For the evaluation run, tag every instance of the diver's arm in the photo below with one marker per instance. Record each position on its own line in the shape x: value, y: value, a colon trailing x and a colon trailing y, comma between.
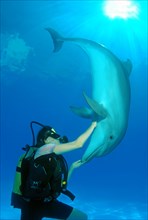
x: 78, y: 143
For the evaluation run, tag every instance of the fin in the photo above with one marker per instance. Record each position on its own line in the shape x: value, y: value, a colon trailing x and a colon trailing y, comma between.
x: 82, y: 111
x: 57, y: 39
x: 127, y: 66
x: 96, y: 107
x: 86, y: 113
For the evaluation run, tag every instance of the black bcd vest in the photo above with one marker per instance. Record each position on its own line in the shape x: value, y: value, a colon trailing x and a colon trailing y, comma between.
x: 44, y: 177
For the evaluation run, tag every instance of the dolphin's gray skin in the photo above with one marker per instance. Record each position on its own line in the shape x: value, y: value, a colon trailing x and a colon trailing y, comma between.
x: 110, y: 95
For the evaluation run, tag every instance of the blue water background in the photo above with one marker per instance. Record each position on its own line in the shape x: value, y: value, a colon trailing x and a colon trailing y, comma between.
x: 37, y: 84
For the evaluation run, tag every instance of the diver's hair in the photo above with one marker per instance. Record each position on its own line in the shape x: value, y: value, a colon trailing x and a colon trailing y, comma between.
x: 46, y: 132
x: 42, y: 135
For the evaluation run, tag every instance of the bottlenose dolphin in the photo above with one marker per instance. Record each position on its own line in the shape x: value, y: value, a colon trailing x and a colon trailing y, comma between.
x: 110, y: 100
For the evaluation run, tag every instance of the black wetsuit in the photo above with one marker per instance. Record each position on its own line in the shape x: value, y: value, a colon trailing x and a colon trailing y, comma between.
x: 38, y: 209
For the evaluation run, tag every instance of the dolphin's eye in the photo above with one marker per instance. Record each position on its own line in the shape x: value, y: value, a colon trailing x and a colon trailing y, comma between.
x: 111, y: 137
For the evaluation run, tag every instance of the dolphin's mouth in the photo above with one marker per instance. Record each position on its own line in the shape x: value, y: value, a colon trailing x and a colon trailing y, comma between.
x: 92, y: 155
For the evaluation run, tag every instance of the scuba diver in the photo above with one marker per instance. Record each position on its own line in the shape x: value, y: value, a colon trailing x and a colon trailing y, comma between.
x: 42, y: 175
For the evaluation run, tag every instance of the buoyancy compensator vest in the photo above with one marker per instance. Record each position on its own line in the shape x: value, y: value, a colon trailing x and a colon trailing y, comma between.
x: 43, y: 178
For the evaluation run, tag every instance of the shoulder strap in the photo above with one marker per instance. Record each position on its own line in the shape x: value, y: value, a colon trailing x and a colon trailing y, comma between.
x: 30, y: 151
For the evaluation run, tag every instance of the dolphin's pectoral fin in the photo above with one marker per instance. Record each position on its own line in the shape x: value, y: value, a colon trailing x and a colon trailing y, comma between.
x: 85, y: 113
x: 96, y: 112
x: 96, y: 107
x: 57, y: 39
x: 82, y: 111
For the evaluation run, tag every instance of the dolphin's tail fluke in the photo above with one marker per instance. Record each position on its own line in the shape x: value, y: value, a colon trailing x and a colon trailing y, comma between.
x: 57, y: 39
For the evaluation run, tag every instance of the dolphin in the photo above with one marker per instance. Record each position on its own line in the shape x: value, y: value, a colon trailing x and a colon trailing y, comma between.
x: 110, y: 102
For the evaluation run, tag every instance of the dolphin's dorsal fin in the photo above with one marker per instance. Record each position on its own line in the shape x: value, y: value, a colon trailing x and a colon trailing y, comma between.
x: 96, y: 107
x: 58, y: 40
x: 127, y: 66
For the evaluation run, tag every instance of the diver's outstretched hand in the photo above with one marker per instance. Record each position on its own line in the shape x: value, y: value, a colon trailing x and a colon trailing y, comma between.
x: 94, y: 123
x: 77, y: 164
x: 74, y: 165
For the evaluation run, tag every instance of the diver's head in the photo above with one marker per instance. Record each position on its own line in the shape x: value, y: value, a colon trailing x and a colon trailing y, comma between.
x: 48, y: 135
